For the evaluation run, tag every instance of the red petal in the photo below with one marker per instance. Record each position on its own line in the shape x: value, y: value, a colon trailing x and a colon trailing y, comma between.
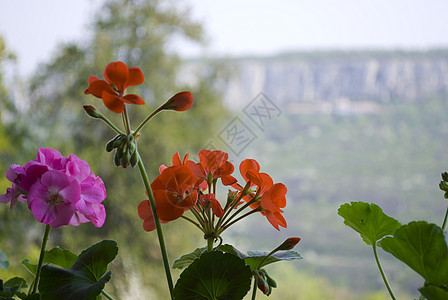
x: 133, y: 99
x: 176, y: 159
x: 117, y: 73
x: 135, y: 77
x: 144, y: 210
x: 92, y: 79
x: 228, y: 180
x: 112, y: 102
x: 165, y: 209
x: 97, y: 87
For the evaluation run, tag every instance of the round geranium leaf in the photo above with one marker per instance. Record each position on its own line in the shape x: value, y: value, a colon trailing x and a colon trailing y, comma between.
x: 215, y: 275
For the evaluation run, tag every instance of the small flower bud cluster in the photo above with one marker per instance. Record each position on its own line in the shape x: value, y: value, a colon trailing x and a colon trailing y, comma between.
x: 443, y: 185
x: 126, y: 150
x: 265, y: 282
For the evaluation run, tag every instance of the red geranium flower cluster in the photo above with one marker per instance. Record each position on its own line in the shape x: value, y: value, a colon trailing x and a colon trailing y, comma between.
x: 190, y: 186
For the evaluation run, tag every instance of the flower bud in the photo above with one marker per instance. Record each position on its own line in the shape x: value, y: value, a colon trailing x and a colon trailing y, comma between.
x: 92, y: 112
x: 111, y: 144
x: 445, y: 176
x: 134, y: 159
x: 443, y: 185
x: 180, y: 102
x: 126, y: 150
x: 288, y: 244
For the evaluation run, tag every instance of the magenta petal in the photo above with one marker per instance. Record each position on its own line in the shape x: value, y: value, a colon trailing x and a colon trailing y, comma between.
x: 55, y: 180
x: 92, y: 193
x: 77, y: 168
x: 33, y: 173
x: 71, y: 193
x: 78, y: 218
x: 14, y: 173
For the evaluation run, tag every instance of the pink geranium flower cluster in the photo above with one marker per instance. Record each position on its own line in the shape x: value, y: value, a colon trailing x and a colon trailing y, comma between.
x: 58, y: 190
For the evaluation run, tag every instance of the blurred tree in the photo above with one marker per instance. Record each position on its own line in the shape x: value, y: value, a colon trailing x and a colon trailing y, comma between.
x: 137, y: 33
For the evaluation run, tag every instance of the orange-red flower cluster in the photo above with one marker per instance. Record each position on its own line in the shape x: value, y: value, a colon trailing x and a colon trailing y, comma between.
x: 180, y: 188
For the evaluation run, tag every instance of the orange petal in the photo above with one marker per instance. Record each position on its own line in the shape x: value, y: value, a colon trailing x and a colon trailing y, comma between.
x: 274, y: 198
x: 226, y: 168
x: 133, y: 99
x: 112, y: 102
x: 117, y: 73
x: 135, y: 77
x: 248, y: 164
x: 276, y: 219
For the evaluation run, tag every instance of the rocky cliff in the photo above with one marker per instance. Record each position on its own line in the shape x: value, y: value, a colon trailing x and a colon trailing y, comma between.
x: 324, y: 77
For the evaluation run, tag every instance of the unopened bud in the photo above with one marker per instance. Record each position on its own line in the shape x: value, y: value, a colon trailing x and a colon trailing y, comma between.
x: 445, y: 176
x: 92, y: 112
x: 180, y: 102
x: 288, y: 244
x: 443, y: 185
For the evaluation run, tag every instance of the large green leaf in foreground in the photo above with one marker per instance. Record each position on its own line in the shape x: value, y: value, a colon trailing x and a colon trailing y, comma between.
x: 369, y: 220
x: 422, y: 247
x: 214, y: 275
x: 86, y: 277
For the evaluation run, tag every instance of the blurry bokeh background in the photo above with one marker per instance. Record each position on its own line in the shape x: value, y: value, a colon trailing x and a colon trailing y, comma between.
x: 340, y: 100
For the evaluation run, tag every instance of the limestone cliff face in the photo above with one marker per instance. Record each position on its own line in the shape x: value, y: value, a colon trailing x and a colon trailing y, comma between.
x: 325, y: 77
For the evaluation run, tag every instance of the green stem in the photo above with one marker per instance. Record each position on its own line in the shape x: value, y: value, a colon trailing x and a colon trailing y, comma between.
x: 445, y: 221
x: 210, y: 244
x: 112, y: 125
x: 142, y: 124
x: 145, y: 179
x: 41, y: 258
x: 254, y: 290
x: 126, y: 123
x: 105, y: 294
x: 228, y: 224
x: 382, y: 272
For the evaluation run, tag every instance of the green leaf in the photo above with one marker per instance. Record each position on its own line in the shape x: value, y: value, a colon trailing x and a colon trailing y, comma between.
x: 215, y: 275
x: 4, y: 263
x: 59, y: 257
x: 432, y: 292
x: 31, y: 267
x: 15, y: 284
x: 423, y: 248
x: 369, y: 220
x: 86, y: 277
x: 185, y: 260
x: 255, y: 257
x: 232, y: 250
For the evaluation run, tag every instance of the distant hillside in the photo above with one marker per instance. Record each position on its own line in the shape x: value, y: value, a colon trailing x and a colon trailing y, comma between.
x: 382, y: 76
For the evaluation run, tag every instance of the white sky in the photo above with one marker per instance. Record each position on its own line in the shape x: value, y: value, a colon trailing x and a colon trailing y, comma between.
x: 33, y: 28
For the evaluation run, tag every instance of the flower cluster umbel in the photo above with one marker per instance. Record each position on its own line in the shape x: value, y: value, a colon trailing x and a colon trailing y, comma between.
x: 192, y: 186
x: 58, y: 190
